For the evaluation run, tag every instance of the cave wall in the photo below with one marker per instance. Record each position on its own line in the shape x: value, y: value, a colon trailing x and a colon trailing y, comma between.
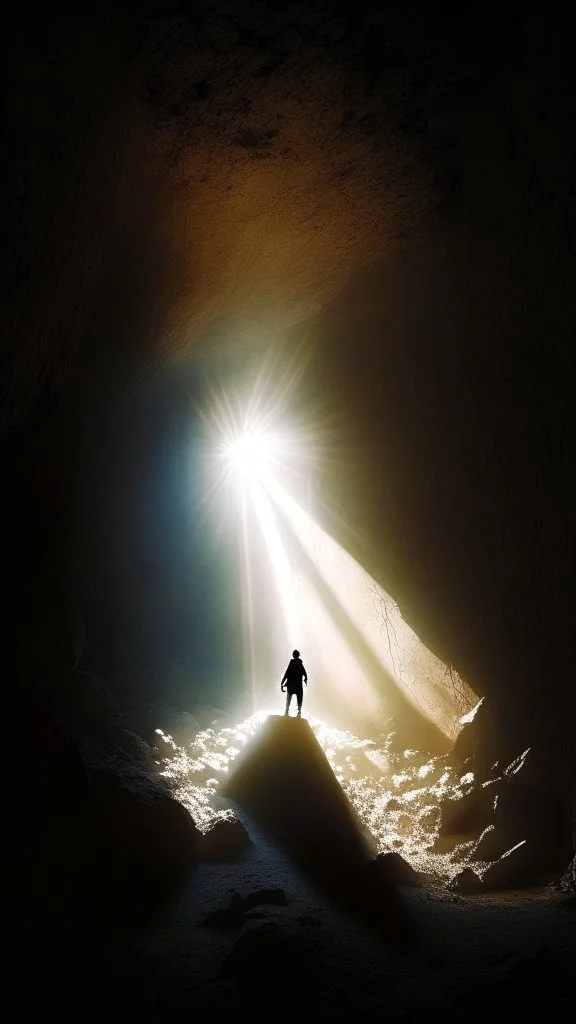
x: 83, y: 294
x: 453, y: 365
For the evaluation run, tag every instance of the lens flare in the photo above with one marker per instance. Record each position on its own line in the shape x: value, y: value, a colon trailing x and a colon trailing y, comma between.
x: 251, y: 454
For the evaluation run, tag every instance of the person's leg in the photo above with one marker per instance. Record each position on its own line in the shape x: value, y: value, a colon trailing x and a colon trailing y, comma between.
x: 299, y: 700
x: 288, y: 699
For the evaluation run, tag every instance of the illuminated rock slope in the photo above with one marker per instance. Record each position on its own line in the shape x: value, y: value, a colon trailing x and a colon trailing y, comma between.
x: 285, y: 783
x: 284, y: 780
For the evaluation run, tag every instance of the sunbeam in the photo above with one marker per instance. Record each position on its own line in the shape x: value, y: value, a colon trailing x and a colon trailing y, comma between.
x: 373, y: 622
x: 366, y: 664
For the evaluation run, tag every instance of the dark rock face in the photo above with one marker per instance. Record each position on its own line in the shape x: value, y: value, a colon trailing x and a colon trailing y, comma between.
x: 154, y: 836
x: 506, y: 807
x: 523, y: 813
x: 105, y: 842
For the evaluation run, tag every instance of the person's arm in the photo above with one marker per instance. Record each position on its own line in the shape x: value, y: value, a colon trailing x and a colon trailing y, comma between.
x: 305, y: 676
x: 282, y: 687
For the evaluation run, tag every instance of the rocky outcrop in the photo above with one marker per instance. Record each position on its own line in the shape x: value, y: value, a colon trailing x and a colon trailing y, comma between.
x: 148, y: 836
x: 284, y: 781
x: 104, y: 837
x: 519, y: 831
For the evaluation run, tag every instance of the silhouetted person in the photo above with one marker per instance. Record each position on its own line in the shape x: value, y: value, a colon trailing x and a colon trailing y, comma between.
x: 292, y: 681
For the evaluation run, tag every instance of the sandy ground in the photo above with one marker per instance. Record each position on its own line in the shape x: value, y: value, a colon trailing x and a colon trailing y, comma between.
x: 473, y: 956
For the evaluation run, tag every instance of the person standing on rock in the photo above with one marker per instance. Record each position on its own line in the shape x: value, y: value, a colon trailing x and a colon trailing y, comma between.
x: 292, y: 681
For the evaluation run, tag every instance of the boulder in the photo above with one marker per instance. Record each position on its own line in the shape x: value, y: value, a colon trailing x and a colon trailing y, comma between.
x: 146, y: 841
x: 467, y: 881
x: 103, y: 839
x: 394, y: 868
x: 226, y: 839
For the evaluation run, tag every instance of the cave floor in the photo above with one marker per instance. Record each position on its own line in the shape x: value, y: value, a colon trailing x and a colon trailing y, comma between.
x: 473, y: 955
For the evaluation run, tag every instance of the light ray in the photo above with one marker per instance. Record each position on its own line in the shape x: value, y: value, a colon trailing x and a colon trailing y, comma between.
x: 280, y: 564
x: 362, y: 651
x: 376, y: 617
x: 247, y: 608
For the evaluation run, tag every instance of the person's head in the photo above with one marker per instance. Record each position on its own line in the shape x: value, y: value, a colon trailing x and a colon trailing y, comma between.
x: 295, y: 654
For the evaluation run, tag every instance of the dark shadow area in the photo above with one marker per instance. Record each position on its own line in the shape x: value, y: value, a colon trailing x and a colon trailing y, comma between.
x: 100, y: 848
x: 538, y: 985
x: 285, y: 782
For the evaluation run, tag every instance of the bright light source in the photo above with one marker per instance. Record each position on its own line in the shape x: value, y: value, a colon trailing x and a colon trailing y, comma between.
x: 249, y: 454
